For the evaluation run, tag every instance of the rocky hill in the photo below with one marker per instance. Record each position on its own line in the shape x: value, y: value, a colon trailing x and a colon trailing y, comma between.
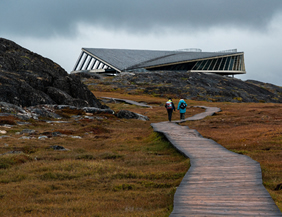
x: 196, y: 86
x: 28, y: 79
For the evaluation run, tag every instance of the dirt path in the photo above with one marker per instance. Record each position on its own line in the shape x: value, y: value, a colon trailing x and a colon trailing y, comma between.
x: 219, y: 182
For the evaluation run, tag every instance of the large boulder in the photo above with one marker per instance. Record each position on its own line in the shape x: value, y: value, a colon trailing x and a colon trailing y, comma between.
x: 28, y: 79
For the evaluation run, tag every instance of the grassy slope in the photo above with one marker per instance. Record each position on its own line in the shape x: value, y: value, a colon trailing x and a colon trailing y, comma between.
x: 121, y: 167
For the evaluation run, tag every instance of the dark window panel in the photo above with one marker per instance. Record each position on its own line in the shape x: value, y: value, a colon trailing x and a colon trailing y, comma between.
x: 227, y: 63
x: 222, y: 64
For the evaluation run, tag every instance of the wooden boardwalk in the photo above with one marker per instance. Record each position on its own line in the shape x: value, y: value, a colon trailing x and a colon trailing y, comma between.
x: 131, y: 102
x: 219, y: 182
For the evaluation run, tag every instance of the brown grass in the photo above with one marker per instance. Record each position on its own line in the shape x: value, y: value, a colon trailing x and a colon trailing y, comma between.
x: 10, y: 120
x: 121, y: 167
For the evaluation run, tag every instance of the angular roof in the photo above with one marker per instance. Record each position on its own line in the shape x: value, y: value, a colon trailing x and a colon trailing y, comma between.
x: 101, y: 60
x: 125, y: 59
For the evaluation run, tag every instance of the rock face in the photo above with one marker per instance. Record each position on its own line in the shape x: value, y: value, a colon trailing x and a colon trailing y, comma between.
x: 197, y: 86
x: 28, y: 79
x: 131, y: 115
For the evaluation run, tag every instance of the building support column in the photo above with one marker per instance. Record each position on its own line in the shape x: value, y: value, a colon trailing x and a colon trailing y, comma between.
x: 83, y: 62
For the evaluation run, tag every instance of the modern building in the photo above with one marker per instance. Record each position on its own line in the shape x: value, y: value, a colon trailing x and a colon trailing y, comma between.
x: 229, y: 62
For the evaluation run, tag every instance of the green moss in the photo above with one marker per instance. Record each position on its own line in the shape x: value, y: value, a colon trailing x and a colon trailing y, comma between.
x: 239, y: 99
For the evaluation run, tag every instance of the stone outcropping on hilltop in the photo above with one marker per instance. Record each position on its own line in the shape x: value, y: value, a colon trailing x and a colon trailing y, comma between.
x: 196, y: 86
x: 28, y: 79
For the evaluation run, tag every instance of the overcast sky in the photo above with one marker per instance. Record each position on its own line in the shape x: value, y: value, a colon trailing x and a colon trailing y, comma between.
x: 58, y: 29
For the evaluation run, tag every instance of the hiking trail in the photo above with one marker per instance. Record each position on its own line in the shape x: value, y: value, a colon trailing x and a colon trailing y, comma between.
x: 219, y: 182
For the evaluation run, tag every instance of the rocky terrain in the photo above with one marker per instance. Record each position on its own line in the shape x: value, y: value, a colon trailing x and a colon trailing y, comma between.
x: 191, y: 85
x: 28, y: 79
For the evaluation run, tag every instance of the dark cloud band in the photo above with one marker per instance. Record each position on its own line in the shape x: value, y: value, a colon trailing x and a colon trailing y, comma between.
x: 53, y: 17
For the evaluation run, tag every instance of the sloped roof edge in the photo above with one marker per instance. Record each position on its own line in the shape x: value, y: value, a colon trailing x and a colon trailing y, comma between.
x: 125, y: 59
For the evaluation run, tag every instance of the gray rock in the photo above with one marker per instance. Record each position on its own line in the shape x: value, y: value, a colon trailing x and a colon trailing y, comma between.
x: 10, y: 108
x: 27, y: 131
x: 131, y: 115
x: 43, y: 111
x: 198, y: 86
x: 75, y: 137
x: 25, y: 137
x: 142, y: 117
x: 58, y: 148
x: 65, y: 107
x: 7, y: 125
x: 89, y: 117
x: 42, y: 137
x: 55, y: 134
x: 5, y: 114
x: 12, y: 152
x: 23, y: 123
x: 97, y: 110
x: 28, y: 79
x: 58, y: 122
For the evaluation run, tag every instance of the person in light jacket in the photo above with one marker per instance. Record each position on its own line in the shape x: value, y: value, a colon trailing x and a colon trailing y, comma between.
x: 169, y: 107
x: 182, y: 108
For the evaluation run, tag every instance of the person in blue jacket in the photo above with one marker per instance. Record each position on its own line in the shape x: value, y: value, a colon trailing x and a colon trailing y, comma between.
x: 182, y: 108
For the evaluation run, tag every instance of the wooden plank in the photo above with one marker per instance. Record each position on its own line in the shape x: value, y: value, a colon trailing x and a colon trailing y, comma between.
x: 219, y: 182
x: 223, y: 212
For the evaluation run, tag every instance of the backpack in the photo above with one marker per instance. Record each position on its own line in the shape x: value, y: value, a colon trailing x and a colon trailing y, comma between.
x: 182, y: 105
x: 168, y: 105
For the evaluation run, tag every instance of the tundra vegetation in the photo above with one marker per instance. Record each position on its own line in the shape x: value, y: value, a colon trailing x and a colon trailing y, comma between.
x: 120, y: 167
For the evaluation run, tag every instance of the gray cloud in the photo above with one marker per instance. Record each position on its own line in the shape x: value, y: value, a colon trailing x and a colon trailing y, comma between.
x: 49, y: 18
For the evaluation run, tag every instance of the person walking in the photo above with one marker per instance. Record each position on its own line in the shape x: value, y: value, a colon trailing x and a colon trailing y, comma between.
x: 169, y: 107
x: 182, y: 108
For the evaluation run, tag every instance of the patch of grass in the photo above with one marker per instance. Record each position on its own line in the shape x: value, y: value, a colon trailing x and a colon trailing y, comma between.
x: 9, y: 160
x: 109, y: 155
x: 244, y: 152
x: 158, y: 144
x: 57, y: 176
x: 239, y: 99
x: 124, y: 187
x: 85, y: 157
x: 13, y: 178
x: 150, y: 184
x: 10, y: 120
x: 68, y: 112
x: 96, y: 129
x: 124, y: 168
x: 29, y: 149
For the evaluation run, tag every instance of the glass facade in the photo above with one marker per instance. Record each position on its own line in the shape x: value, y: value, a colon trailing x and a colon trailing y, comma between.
x: 220, y: 65
x: 230, y: 63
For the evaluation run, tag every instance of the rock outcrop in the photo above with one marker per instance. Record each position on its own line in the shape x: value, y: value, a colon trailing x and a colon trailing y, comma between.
x: 131, y: 115
x: 196, y: 86
x: 28, y: 79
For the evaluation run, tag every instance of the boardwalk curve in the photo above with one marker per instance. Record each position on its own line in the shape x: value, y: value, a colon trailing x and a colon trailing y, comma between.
x: 131, y: 102
x: 219, y: 182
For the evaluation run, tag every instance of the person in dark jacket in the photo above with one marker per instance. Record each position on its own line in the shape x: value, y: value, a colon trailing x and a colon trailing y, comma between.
x: 169, y: 107
x: 182, y: 108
